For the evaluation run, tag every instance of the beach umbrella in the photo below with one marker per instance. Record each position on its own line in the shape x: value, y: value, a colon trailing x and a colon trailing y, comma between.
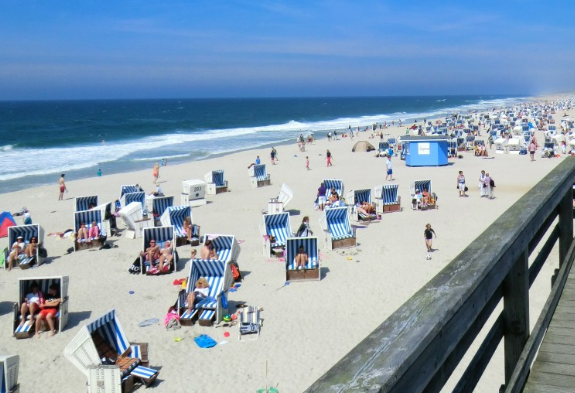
x: 6, y: 221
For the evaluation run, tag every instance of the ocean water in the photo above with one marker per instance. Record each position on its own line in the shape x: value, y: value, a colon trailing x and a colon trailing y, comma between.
x: 41, y: 139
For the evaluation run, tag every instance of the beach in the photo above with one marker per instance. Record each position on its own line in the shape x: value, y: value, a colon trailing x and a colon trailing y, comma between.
x: 307, y: 326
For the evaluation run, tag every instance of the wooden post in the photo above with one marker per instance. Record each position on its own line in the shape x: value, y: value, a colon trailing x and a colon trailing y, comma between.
x: 565, y: 225
x: 516, y: 312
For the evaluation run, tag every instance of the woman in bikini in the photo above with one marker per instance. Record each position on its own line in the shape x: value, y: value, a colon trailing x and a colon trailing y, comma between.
x: 156, y: 172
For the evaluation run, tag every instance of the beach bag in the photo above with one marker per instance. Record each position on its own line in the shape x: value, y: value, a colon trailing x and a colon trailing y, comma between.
x: 172, y: 321
x: 43, y: 252
x: 237, y: 275
x: 136, y: 266
x: 492, y: 183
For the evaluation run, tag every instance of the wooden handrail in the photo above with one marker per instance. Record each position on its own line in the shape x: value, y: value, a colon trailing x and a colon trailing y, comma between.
x: 417, y: 348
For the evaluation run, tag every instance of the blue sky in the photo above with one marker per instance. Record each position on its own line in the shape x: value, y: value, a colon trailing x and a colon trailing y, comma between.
x: 176, y: 49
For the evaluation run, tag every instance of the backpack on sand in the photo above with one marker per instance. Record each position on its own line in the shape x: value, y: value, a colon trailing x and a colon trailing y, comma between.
x: 236, y: 272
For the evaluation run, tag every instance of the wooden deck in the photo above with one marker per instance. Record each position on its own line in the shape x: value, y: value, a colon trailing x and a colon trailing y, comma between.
x: 554, y: 369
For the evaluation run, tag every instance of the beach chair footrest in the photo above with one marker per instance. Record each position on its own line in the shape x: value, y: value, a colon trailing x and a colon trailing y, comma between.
x: 392, y: 208
x: 343, y: 243
x: 145, y: 374
x: 302, y: 275
x: 206, y: 318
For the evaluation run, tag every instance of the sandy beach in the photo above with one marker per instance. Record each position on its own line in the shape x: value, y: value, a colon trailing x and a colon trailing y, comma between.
x: 307, y: 326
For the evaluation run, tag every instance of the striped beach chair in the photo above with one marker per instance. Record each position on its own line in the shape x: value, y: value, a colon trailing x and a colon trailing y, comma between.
x: 84, y: 203
x: 259, y: 176
x: 175, y: 216
x: 422, y: 185
x: 250, y: 324
x: 161, y: 235
x: 355, y: 198
x: 9, y: 368
x: 104, y: 338
x: 312, y: 270
x: 219, y: 276
x: 26, y: 330
x: 387, y: 199
x: 338, y: 232
x: 215, y: 182
x: 278, y: 226
x: 27, y: 232
x: 333, y: 183
x: 130, y: 197
x: 160, y: 204
x: 87, y: 217
x: 226, y: 246
x: 128, y: 190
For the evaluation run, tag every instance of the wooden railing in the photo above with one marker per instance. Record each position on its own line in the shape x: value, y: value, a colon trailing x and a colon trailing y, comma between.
x: 419, y: 346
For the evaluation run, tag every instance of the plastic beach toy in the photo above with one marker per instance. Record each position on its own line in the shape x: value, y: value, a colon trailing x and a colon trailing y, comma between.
x: 227, y: 318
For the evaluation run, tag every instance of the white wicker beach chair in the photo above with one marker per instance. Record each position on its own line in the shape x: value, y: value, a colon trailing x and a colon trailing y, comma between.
x: 9, y: 367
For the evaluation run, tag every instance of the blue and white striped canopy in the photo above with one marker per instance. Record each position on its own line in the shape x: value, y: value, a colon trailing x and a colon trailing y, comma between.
x: 160, y: 204
x: 260, y: 172
x: 223, y: 245
x: 83, y: 203
x: 278, y: 225
x: 422, y: 184
x: 26, y: 231
x: 128, y: 190
x: 361, y: 196
x: 338, y: 225
x: 109, y: 328
x: 390, y: 194
x: 135, y: 197
x: 218, y: 178
x: 333, y: 183
x: 176, y: 215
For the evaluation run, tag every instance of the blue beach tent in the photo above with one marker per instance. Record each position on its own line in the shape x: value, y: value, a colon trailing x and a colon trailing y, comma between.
x: 425, y: 150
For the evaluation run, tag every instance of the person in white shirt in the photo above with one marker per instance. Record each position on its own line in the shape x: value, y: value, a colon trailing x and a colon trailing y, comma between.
x: 17, y: 252
x: 389, y: 169
x: 200, y: 292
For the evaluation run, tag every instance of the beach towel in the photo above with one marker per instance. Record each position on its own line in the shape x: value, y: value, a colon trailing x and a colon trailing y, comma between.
x: 205, y: 341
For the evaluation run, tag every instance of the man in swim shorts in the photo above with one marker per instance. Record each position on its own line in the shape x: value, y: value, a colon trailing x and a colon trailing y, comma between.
x: 49, y: 310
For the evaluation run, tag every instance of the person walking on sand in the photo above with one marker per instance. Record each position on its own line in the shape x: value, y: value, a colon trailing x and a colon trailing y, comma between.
x: 307, y: 163
x: 328, y: 157
x: 62, y: 185
x: 273, y: 155
x: 532, y: 148
x: 428, y: 234
x: 461, y: 184
x: 389, y: 176
x: 482, y: 185
x: 156, y: 172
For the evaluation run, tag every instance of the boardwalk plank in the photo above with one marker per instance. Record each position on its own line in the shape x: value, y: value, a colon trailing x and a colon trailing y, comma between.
x: 545, y: 356
x: 543, y: 378
x: 554, y: 368
x: 538, y: 388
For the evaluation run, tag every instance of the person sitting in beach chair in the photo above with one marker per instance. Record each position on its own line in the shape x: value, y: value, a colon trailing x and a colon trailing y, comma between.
x: 31, y: 248
x: 18, y: 252
x: 82, y: 233
x: 416, y: 200
x: 366, y: 209
x: 31, y: 303
x: 201, y: 292
x: 188, y: 227
x: 151, y: 254
x: 49, y: 310
x: 304, y: 229
x: 166, y: 257
x: 208, y: 251
x: 425, y: 198
x: 301, y: 258
x: 94, y: 231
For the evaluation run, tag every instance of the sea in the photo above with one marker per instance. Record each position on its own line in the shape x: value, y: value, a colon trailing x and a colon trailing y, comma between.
x: 39, y: 140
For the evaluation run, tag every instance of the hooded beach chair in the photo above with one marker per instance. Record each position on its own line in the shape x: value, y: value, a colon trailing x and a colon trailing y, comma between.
x: 387, y: 199
x: 311, y: 270
x: 219, y: 277
x: 158, y: 205
x: 88, y: 217
x: 275, y: 230
x: 133, y: 217
x: 85, y: 202
x: 278, y: 204
x: 27, y: 232
x: 422, y: 185
x: 355, y: 198
x: 215, y: 183
x: 61, y: 318
x: 128, y: 189
x: 337, y: 184
x: 176, y: 215
x: 161, y: 235
x: 9, y: 367
x: 130, y: 197
x: 338, y: 232
x: 102, y: 352
x: 226, y: 246
x: 250, y: 323
x: 259, y: 176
